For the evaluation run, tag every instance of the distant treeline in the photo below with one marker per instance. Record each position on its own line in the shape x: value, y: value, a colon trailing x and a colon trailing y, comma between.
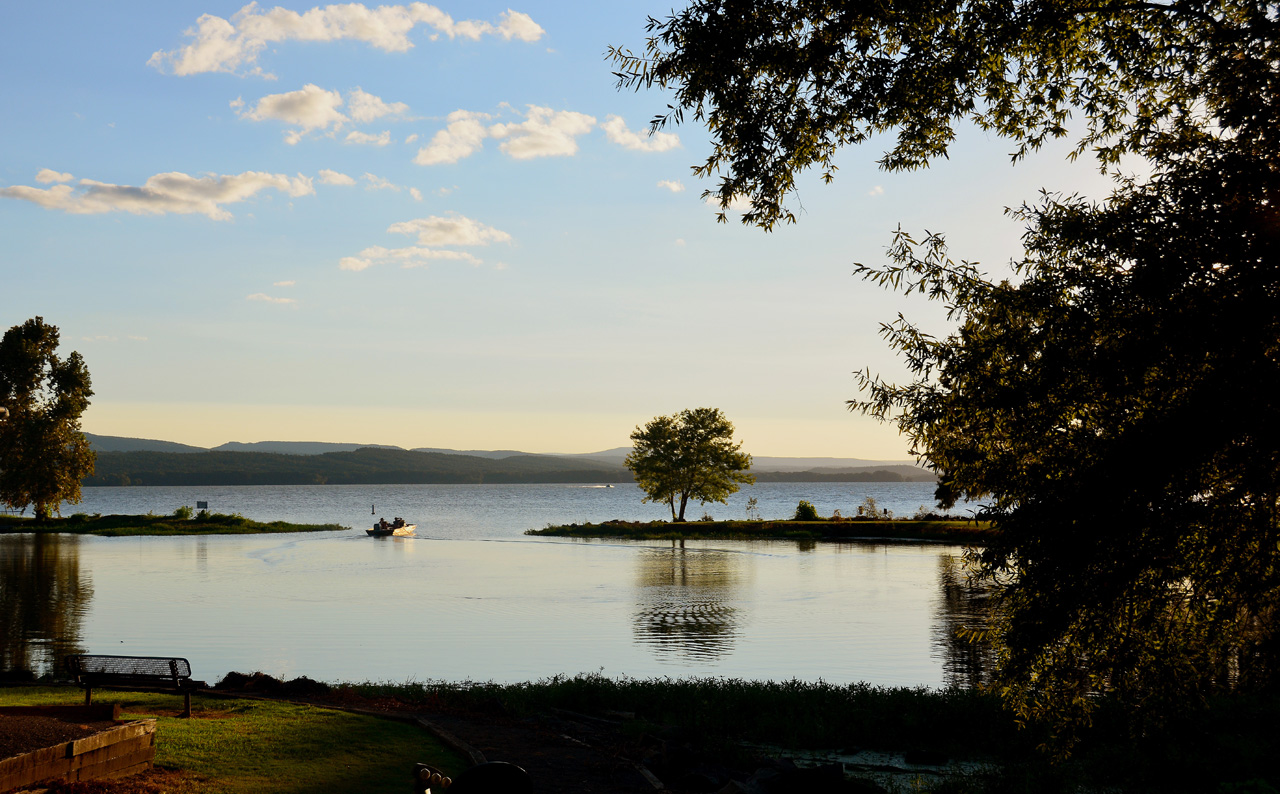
x: 367, y: 466
x: 879, y: 475
x: 375, y: 466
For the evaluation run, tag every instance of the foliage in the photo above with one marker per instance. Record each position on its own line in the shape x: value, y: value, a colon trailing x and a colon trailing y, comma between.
x: 1144, y: 327
x: 805, y: 511
x: 183, y: 513
x: 688, y: 456
x: 1140, y: 328
x: 43, y: 454
x: 782, y: 85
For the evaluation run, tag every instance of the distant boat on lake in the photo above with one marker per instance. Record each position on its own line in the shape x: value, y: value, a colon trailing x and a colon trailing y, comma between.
x: 397, y: 527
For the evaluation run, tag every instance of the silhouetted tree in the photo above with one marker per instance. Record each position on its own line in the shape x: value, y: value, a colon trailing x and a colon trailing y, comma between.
x: 688, y: 456
x: 43, y: 454
x: 1117, y: 404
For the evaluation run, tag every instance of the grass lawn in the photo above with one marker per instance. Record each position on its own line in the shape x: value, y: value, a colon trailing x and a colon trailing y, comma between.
x: 235, y: 746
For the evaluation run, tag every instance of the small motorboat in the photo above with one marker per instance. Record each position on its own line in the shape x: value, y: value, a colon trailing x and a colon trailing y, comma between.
x: 397, y: 527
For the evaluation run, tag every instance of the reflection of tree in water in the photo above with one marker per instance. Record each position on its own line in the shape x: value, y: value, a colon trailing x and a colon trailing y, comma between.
x: 683, y: 604
x: 964, y: 605
x: 43, y: 601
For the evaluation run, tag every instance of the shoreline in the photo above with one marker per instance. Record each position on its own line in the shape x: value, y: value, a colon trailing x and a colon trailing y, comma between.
x: 945, y: 530
x: 161, y: 526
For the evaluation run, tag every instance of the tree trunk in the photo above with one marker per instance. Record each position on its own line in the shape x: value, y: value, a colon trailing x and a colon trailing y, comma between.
x: 684, y: 500
x: 671, y: 502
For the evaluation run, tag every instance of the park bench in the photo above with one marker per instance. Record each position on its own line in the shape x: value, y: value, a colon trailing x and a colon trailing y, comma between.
x: 151, y: 673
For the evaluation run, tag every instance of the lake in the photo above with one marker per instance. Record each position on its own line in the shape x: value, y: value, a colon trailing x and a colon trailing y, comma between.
x: 472, y: 598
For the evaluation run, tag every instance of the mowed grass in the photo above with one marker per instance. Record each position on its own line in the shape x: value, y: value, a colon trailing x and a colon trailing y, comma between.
x: 242, y: 746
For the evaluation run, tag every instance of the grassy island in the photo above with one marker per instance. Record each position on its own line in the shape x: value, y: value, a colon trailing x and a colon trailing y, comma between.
x: 950, y: 530
x: 182, y: 522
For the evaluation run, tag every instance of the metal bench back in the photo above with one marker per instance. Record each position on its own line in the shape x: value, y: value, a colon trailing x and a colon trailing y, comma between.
x: 129, y: 666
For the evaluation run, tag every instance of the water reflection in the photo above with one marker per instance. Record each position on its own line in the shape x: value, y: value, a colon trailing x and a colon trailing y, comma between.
x: 964, y: 604
x: 684, y: 601
x: 43, y: 601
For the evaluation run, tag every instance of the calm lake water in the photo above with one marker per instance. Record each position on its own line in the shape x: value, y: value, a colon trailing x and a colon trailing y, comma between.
x: 472, y: 598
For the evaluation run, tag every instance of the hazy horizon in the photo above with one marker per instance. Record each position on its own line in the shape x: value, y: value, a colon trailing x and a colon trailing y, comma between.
x: 441, y: 227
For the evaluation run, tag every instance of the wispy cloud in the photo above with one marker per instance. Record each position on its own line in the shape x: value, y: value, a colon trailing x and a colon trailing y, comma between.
x: 675, y: 186
x: 328, y: 177
x: 173, y: 192
x: 381, y: 139
x: 314, y: 108
x: 543, y: 133
x: 417, y: 194
x: 47, y: 175
x: 221, y: 45
x: 876, y: 191
x: 262, y: 297
x: 413, y: 256
x: 365, y: 107
x: 616, y: 128
x: 375, y: 182
x: 283, y: 283
x: 464, y: 134
x: 435, y: 235
x: 452, y: 230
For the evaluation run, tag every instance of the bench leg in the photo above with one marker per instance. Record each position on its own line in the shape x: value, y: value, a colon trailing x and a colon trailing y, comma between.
x: 186, y: 704
x: 88, y: 696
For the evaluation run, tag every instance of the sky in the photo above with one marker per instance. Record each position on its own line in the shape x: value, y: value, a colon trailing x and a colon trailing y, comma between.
x: 440, y: 225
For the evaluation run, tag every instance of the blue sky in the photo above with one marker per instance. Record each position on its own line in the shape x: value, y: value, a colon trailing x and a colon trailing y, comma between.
x: 437, y: 225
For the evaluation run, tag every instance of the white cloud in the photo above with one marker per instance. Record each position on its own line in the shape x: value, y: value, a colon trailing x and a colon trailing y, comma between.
x: 137, y: 338
x: 46, y: 175
x: 411, y: 138
x: 453, y: 230
x: 283, y: 283
x: 381, y: 139
x: 379, y: 183
x: 414, y: 256
x: 264, y: 298
x: 236, y: 103
x: 173, y: 192
x: 310, y: 108
x: 738, y: 203
x: 365, y: 107
x: 680, y: 242
x: 544, y: 133
x: 220, y: 45
x: 100, y: 338
x: 616, y: 128
x: 433, y: 233
x: 876, y: 191
x: 328, y: 177
x: 675, y: 186
x: 417, y: 194
x: 462, y: 137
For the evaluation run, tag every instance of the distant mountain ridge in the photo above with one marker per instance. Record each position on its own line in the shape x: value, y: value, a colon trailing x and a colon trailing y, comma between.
x: 125, y: 460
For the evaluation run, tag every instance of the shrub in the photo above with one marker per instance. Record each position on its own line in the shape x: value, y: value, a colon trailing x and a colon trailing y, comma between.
x: 183, y: 513
x: 805, y: 511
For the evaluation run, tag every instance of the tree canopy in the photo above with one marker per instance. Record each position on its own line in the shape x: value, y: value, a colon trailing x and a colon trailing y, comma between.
x: 1142, y: 327
x: 782, y: 85
x: 43, y: 454
x: 688, y: 456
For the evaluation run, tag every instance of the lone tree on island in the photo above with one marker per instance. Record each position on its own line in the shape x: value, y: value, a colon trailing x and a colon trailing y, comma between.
x: 688, y: 456
x: 43, y: 454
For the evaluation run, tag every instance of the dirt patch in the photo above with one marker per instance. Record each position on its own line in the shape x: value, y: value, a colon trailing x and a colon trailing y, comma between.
x: 20, y: 735
x: 153, y: 781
